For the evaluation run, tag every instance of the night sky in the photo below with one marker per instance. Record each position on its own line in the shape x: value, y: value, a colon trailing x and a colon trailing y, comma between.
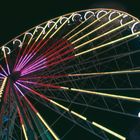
x: 17, y: 17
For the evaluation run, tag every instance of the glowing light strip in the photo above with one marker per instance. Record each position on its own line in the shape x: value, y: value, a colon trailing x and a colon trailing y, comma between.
x: 22, y: 124
x: 24, y: 131
x: 2, y: 75
x: 25, y: 58
x: 31, y: 37
x: 2, y: 86
x: 84, y: 74
x: 107, y: 44
x: 105, y: 73
x: 3, y: 70
x: 74, y: 113
x: 47, y: 126
x: 109, y: 32
x: 37, y: 113
x: 59, y: 105
x: 77, y: 26
x: 94, y: 123
x: 84, y: 91
x: 6, y: 61
x: 96, y: 29
x: 61, y: 26
x: 78, y: 115
x: 34, y: 64
x: 33, y: 70
x: 109, y: 131
x: 88, y: 25
x: 29, y: 58
x: 51, y: 28
x: 105, y: 94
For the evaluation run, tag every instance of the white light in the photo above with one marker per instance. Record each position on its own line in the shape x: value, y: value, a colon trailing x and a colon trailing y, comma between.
x: 139, y: 114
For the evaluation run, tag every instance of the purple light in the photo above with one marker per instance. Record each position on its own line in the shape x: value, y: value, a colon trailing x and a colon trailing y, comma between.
x: 21, y: 64
x: 23, y: 74
x: 35, y: 63
x: 2, y: 75
x: 26, y: 60
x: 18, y: 89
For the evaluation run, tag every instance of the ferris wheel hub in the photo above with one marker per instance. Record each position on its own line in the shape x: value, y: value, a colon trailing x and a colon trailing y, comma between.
x: 15, y: 76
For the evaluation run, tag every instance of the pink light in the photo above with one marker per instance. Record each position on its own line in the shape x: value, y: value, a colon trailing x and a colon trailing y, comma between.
x: 33, y: 91
x: 2, y: 75
x: 40, y: 84
x: 25, y: 98
x: 33, y: 65
x: 21, y: 64
x: 4, y: 70
x: 28, y: 72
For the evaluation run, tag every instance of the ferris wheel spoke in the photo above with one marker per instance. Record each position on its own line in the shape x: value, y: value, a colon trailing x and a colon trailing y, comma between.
x: 96, y: 29
x: 74, y: 113
x: 39, y: 84
x: 52, y: 57
x: 106, y: 33
x: 60, y: 61
x: 22, y: 124
x: 96, y: 107
x: 106, y: 73
x: 107, y: 44
x: 37, y: 65
x: 28, y: 57
x: 85, y: 91
x: 37, y: 113
x: 103, y: 94
x: 3, y: 87
x: 28, y: 127
x: 34, y: 63
x: 2, y: 75
x: 96, y: 63
x: 6, y: 61
x: 26, y: 51
x: 20, y: 54
x: 85, y: 119
x: 77, y: 27
x: 36, y: 49
x: 89, y: 25
x: 71, y: 118
x: 48, y: 32
x: 31, y: 52
x: 3, y: 70
x: 83, y: 75
x: 87, y: 74
x: 61, y: 26
x: 55, y: 46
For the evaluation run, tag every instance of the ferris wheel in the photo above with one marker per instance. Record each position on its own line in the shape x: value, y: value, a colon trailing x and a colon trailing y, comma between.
x: 75, y: 75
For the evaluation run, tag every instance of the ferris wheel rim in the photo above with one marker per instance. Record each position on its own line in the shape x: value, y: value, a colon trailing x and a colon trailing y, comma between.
x: 51, y: 19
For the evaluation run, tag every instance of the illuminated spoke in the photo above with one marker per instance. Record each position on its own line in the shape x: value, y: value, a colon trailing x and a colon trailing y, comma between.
x: 106, y: 44
x: 6, y: 61
x: 38, y: 114
x: 84, y: 91
x: 22, y: 125
x: 89, y: 25
x: 96, y: 30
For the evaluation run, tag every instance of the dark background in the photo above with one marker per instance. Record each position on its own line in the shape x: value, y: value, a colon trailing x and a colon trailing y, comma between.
x: 19, y: 16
